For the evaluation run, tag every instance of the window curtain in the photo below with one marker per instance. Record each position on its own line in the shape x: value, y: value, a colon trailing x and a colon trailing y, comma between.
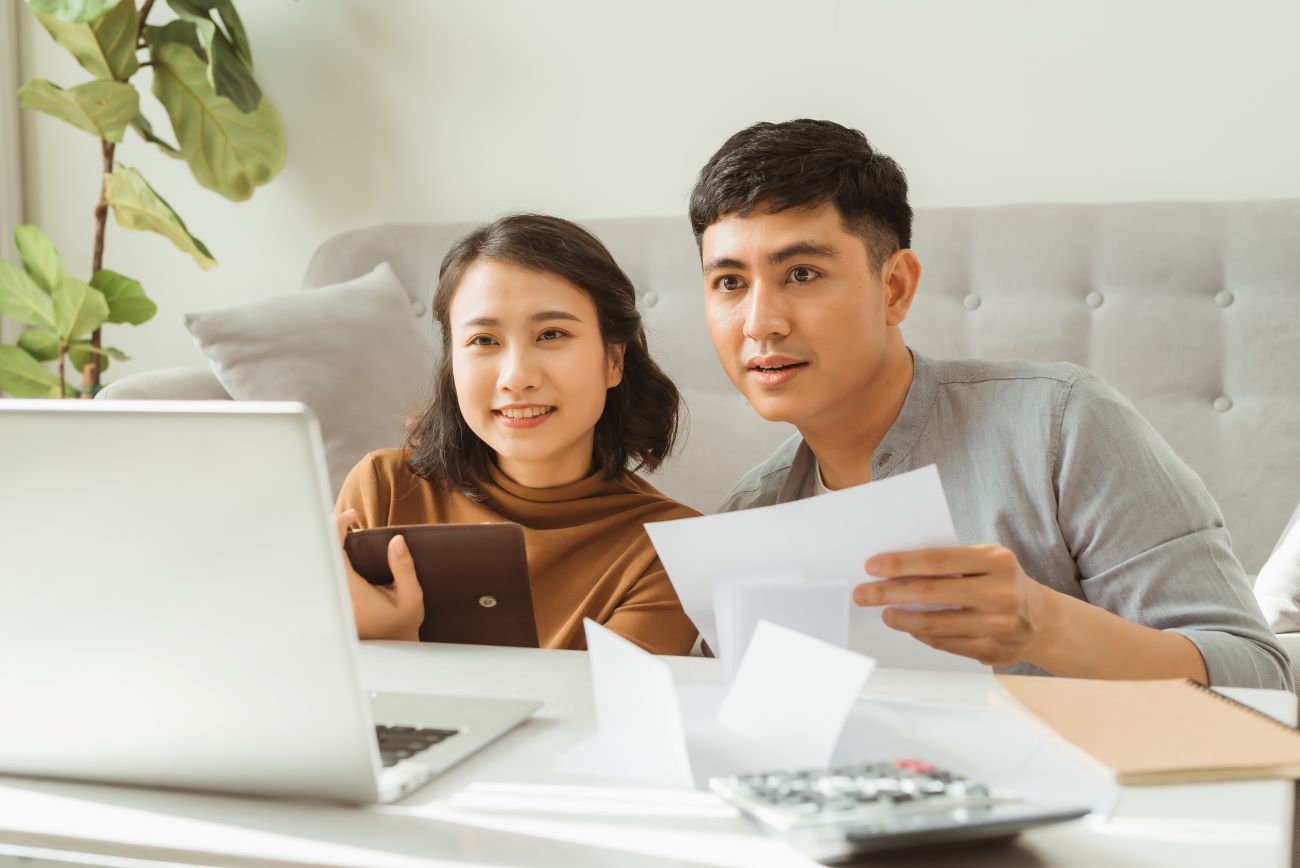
x: 11, y: 170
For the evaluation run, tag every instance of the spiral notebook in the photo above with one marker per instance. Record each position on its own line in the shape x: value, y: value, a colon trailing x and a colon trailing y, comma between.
x: 1157, y: 732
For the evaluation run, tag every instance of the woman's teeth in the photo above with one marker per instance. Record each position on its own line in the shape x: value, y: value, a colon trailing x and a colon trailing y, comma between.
x: 525, y: 413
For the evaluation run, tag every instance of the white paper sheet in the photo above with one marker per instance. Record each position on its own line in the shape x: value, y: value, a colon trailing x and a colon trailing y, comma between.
x: 818, y: 609
x: 824, y: 538
x: 793, y: 694
x: 787, y: 707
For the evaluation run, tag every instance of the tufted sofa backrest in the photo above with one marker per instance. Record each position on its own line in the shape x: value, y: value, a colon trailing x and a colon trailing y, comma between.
x: 1190, y: 310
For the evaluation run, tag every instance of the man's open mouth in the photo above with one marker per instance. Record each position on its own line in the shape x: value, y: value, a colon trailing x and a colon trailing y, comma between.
x: 766, y: 369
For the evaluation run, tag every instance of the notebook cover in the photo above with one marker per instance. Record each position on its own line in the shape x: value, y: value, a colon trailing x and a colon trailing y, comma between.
x: 1159, y: 732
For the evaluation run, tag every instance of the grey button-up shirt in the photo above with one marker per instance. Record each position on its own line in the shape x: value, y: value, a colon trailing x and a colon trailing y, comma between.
x: 1057, y: 466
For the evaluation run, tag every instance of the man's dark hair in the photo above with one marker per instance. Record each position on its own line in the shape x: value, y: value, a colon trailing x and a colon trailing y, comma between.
x: 640, y: 420
x: 804, y: 164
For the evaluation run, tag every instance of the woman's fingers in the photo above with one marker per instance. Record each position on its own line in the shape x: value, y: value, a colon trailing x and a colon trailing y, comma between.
x: 343, y: 521
x: 406, y: 583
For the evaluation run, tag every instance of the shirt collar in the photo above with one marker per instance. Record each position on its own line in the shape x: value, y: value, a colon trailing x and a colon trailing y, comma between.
x: 895, y: 447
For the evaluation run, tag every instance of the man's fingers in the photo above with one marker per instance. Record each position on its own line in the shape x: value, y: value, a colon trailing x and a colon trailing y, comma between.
x: 946, y: 624
x: 402, y: 566
x: 921, y: 591
x: 957, y: 560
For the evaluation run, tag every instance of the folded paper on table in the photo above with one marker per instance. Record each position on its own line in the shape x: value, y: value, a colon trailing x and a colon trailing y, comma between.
x: 817, y: 609
x: 816, y: 540
x: 786, y: 707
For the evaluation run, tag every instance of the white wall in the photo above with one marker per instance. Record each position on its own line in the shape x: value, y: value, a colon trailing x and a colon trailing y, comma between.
x: 432, y: 110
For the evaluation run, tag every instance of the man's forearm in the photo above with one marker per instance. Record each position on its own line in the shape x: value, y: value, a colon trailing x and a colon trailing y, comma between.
x: 1086, y: 641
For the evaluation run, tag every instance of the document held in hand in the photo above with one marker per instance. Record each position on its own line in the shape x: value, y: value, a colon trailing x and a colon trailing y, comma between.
x: 1157, y: 732
x: 813, y: 542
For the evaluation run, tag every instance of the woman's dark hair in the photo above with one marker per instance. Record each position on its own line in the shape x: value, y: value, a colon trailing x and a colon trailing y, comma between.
x: 807, y: 163
x: 640, y: 422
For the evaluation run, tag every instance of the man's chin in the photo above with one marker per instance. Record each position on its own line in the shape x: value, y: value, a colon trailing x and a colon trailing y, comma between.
x: 775, y: 409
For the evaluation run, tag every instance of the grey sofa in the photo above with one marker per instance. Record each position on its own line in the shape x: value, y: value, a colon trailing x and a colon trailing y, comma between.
x: 1191, y: 310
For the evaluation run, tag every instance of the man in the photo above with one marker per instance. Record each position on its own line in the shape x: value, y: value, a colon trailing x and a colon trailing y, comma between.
x: 1102, y: 555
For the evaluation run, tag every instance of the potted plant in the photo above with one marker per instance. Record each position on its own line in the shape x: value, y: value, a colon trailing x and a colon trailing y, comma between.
x: 222, y: 126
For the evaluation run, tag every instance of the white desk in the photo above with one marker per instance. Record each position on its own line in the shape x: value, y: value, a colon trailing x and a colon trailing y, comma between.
x: 505, y: 806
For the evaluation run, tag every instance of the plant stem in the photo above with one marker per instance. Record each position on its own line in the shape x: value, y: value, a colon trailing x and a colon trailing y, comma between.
x: 63, y: 383
x: 91, y: 373
x: 144, y: 13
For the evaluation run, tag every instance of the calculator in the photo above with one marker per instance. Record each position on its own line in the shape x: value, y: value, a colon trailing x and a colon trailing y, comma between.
x: 834, y: 813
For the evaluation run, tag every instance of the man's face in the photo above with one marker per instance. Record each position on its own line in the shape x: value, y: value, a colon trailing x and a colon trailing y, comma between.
x: 801, y: 321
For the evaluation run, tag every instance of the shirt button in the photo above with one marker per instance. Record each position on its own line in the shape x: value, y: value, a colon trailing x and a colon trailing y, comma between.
x: 971, y: 301
x: 650, y: 299
x: 487, y: 602
x: 1224, y: 298
x: 1222, y: 404
x: 1093, y: 299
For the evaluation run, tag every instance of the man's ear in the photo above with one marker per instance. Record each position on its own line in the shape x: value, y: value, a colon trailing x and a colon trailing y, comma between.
x: 901, y: 275
x: 614, y: 375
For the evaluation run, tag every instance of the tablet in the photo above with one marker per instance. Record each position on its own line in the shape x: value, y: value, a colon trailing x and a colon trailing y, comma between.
x: 474, y: 576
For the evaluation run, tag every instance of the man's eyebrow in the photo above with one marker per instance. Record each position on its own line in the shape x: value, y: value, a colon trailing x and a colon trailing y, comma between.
x: 790, y: 251
x: 723, y: 262
x: 540, y: 316
x: 802, y: 248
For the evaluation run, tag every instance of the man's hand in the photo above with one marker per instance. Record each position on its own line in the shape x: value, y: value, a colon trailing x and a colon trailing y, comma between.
x: 1002, y: 615
x: 385, y: 612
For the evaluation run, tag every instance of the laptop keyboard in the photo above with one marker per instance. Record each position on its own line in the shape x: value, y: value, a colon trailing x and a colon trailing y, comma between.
x: 397, y: 743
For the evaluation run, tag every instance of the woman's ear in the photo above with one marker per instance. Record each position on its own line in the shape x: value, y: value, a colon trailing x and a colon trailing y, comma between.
x: 614, y: 374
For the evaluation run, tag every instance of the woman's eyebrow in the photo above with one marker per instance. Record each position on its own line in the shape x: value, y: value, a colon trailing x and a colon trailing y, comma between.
x: 541, y: 316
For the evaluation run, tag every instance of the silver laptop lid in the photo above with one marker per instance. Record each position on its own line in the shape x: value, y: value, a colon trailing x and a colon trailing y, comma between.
x: 173, y: 609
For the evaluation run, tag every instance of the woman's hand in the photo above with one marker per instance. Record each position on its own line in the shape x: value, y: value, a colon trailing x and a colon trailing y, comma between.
x: 385, y: 611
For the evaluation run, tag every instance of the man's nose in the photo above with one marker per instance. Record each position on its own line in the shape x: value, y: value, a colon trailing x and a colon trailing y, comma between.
x: 767, y: 315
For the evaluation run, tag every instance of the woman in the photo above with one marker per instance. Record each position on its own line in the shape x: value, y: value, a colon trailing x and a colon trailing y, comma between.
x: 545, y: 395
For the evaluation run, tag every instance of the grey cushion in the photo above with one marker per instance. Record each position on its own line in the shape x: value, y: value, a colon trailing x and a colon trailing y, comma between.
x: 167, y: 384
x: 353, y: 352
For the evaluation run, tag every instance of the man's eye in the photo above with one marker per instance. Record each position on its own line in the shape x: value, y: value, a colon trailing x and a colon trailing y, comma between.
x: 728, y: 283
x: 802, y: 274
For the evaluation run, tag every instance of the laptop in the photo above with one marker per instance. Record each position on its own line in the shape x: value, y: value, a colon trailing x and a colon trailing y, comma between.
x: 174, y: 611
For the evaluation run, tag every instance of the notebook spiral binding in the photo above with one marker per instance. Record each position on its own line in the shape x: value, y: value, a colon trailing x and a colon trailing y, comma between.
x: 1243, y: 706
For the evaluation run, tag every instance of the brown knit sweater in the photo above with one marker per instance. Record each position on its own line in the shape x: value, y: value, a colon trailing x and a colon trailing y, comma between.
x: 588, y: 552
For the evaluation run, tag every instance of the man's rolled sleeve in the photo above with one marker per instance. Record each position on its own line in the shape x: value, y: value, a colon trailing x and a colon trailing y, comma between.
x: 1150, y: 542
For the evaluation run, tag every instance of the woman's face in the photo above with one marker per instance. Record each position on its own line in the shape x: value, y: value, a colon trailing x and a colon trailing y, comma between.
x: 531, y: 369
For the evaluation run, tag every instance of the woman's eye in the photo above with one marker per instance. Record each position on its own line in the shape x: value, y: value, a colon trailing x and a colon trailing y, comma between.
x: 550, y: 335
x: 802, y: 274
x: 481, y: 341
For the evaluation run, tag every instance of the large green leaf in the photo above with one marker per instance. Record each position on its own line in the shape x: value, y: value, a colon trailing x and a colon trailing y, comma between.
x: 22, y: 300
x: 81, y: 354
x: 227, y: 71
x: 126, y: 299
x: 235, y: 29
x: 227, y: 150
x: 73, y: 10
x: 137, y: 206
x: 22, y: 376
x: 142, y: 126
x: 41, y: 344
x: 102, y: 108
x: 37, y: 250
x: 79, y: 309
x: 106, y: 47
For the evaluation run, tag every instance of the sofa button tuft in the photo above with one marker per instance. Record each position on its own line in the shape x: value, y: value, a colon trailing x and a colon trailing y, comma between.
x: 418, y: 308
x: 650, y: 299
x: 971, y: 301
x: 1224, y: 298
x: 1093, y: 299
x: 1222, y: 404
